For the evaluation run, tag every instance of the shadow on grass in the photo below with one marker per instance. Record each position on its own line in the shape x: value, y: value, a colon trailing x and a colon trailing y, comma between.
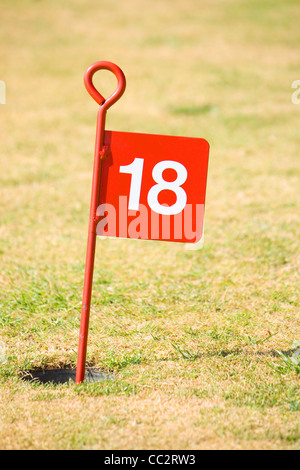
x: 186, y: 354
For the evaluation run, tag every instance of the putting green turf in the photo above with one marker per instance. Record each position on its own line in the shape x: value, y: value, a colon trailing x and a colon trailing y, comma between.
x: 203, y: 344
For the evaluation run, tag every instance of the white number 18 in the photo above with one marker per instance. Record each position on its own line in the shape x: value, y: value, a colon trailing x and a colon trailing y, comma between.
x: 136, y: 170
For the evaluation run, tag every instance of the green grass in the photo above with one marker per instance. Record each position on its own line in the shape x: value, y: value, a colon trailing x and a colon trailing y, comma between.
x: 203, y: 344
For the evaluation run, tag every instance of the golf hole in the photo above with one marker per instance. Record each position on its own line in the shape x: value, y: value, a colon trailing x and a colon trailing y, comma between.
x: 62, y: 376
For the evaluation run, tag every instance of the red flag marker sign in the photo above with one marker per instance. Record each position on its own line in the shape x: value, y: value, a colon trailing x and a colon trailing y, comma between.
x: 144, y: 186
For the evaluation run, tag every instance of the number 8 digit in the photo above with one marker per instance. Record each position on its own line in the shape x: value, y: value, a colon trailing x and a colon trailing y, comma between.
x: 174, y: 186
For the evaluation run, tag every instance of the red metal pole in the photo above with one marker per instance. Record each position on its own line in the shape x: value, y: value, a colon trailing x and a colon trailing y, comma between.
x: 95, y: 196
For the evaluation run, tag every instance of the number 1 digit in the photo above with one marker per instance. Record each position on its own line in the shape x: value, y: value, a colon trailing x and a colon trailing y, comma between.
x: 136, y: 170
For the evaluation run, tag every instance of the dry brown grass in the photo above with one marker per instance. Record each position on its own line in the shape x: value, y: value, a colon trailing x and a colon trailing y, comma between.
x: 190, y: 336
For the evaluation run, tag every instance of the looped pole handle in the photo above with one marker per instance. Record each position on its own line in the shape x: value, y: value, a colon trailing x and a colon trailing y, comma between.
x: 88, y: 81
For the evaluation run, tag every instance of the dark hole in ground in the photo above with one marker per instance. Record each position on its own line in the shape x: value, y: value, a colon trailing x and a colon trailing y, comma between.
x: 61, y: 376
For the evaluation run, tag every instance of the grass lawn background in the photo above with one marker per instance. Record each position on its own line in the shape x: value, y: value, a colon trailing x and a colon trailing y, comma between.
x: 203, y: 344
